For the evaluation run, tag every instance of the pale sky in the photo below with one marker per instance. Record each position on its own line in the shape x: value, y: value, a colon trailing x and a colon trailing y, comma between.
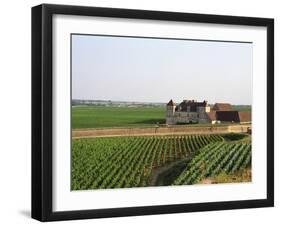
x: 157, y: 70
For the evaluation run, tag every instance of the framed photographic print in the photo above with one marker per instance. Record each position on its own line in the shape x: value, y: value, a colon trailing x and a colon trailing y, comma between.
x: 140, y: 112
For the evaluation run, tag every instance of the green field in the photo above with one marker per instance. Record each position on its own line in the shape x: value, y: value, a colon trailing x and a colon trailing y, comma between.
x: 125, y: 162
x: 108, y: 117
x: 97, y: 117
x: 242, y: 107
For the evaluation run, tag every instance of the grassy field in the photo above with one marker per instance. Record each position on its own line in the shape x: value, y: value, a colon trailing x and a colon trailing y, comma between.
x: 242, y: 107
x: 97, y: 117
x: 108, y: 117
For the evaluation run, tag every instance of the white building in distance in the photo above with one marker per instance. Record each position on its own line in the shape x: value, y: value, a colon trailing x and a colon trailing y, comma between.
x: 188, y: 111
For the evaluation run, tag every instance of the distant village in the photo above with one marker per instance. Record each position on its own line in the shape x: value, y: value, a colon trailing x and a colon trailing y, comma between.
x: 110, y: 103
x: 191, y: 111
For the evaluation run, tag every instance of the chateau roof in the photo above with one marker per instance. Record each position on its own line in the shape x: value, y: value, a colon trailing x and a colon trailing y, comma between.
x: 192, y: 104
x: 171, y: 103
x: 222, y: 107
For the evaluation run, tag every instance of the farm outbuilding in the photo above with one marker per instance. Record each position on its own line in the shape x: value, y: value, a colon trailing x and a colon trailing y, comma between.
x: 227, y: 116
x: 222, y: 107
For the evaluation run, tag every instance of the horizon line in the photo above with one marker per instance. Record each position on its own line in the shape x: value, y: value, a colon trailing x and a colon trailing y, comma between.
x: 153, y: 102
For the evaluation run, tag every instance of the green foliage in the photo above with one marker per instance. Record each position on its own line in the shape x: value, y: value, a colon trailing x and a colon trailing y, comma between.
x: 233, y: 136
x: 120, y: 162
x: 97, y: 117
x: 242, y: 107
x: 215, y: 159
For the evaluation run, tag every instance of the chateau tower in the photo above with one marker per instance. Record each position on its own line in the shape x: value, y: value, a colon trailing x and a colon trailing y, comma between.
x: 170, y: 112
x: 203, y: 111
x: 204, y: 107
x: 171, y: 107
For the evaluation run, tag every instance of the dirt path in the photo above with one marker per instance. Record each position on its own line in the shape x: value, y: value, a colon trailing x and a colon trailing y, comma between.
x: 172, y: 130
x: 164, y: 175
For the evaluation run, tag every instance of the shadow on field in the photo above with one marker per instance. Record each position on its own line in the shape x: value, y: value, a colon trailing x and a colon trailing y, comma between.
x: 151, y: 121
x: 166, y: 175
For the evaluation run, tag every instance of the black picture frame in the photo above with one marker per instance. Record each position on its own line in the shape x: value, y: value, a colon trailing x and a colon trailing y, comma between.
x: 42, y: 111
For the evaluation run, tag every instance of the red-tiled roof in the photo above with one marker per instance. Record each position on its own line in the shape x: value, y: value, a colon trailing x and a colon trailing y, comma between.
x: 222, y: 107
x: 245, y: 116
x: 171, y: 103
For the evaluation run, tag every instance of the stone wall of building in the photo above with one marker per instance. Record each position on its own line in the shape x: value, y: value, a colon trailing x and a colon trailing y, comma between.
x: 187, y: 117
x: 170, y: 121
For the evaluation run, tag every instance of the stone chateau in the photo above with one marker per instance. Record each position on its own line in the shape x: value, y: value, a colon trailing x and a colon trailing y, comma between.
x: 191, y: 111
